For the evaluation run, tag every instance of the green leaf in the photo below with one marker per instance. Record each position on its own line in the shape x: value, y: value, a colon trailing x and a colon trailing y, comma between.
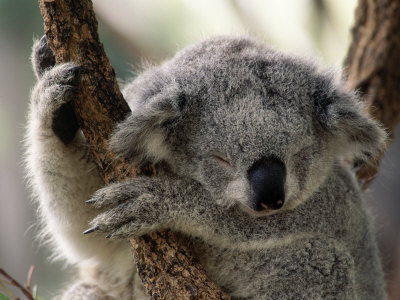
x: 4, y: 297
x: 6, y: 290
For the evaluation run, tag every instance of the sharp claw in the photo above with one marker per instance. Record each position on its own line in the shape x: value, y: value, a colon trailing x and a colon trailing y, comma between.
x: 43, y: 40
x: 109, y: 235
x: 90, y: 230
x: 90, y: 201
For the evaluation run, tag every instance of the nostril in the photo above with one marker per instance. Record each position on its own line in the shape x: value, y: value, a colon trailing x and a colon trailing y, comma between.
x: 279, y: 204
x: 272, y: 204
x: 272, y: 201
x: 267, y: 180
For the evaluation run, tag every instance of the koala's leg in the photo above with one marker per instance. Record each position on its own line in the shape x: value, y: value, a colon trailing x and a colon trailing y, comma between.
x: 80, y: 291
x: 104, y: 287
x: 92, y: 291
x: 63, y: 177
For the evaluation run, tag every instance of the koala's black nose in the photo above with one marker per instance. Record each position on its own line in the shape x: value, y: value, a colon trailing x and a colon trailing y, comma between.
x: 267, y: 181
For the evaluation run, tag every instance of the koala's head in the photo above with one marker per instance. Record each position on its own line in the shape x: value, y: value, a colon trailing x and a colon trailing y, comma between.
x: 254, y: 126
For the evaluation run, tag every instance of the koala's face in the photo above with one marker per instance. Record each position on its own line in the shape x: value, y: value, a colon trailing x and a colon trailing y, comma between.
x: 247, y: 141
x: 257, y: 128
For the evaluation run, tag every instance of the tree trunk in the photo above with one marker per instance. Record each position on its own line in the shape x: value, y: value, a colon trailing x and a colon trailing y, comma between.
x: 164, y: 263
x: 373, y: 65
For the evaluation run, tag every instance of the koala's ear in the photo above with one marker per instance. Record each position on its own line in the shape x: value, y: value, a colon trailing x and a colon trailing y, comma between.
x: 142, y: 135
x: 344, y: 116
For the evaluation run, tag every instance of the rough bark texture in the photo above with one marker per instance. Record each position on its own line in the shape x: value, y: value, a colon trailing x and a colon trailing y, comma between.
x: 373, y: 65
x: 165, y: 265
x: 172, y: 268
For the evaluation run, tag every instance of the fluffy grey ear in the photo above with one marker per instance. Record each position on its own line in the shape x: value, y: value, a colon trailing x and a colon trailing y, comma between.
x: 141, y: 136
x: 344, y: 116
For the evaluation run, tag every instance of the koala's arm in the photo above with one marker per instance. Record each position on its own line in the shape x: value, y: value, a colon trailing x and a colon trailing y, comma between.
x: 148, y: 204
x: 59, y: 170
x: 62, y: 175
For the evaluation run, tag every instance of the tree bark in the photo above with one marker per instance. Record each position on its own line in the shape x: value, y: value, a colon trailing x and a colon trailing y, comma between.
x: 164, y: 263
x: 373, y: 66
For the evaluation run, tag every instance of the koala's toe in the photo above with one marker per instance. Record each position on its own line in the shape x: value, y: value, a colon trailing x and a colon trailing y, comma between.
x: 42, y: 57
x: 72, y: 74
x: 126, y: 230
x: 115, y: 193
x: 117, y: 225
x: 128, y: 218
x: 108, y: 221
x: 65, y: 74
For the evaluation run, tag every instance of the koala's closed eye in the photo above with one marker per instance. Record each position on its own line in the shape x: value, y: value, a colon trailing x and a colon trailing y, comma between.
x: 222, y: 160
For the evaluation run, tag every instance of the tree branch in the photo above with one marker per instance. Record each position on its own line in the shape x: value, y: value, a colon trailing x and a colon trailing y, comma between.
x: 164, y: 263
x: 15, y: 283
x: 373, y: 65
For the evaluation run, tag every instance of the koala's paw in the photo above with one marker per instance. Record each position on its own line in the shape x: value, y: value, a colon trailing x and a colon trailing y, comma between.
x: 52, y: 98
x: 141, y: 207
x: 42, y: 57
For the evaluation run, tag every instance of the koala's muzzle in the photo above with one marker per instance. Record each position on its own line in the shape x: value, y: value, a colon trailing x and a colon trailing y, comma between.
x: 267, y: 181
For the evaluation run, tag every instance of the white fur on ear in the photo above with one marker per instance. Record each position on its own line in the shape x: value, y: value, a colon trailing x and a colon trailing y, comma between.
x: 342, y: 114
x: 141, y: 136
x: 359, y: 134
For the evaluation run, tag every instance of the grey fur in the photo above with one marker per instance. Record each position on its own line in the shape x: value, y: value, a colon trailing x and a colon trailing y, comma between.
x: 236, y: 99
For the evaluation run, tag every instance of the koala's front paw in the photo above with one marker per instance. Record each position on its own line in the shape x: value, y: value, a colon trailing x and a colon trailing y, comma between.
x: 141, y: 207
x: 52, y: 98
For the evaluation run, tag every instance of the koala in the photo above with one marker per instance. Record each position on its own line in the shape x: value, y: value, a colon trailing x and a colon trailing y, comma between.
x: 250, y: 147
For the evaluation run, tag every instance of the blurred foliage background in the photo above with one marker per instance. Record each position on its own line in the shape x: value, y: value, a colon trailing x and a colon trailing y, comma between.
x: 135, y: 31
